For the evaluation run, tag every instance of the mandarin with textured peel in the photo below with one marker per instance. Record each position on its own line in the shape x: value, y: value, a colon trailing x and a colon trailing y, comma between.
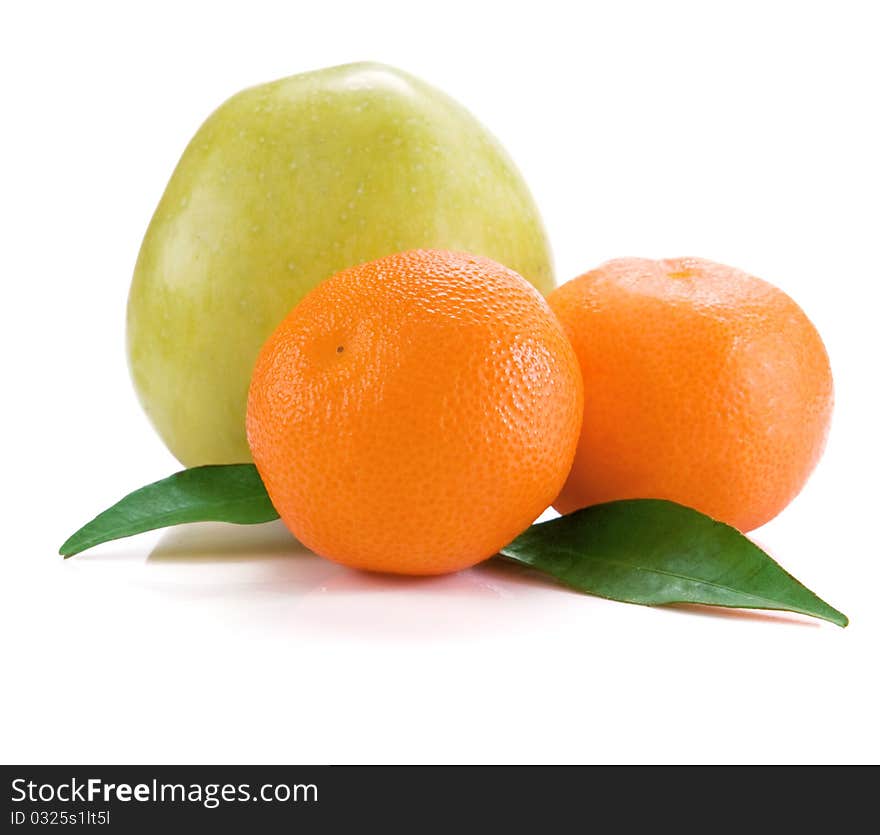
x: 416, y: 413
x: 704, y: 385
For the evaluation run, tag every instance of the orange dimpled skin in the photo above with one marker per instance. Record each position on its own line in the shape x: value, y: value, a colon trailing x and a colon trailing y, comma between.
x: 704, y: 385
x: 416, y: 413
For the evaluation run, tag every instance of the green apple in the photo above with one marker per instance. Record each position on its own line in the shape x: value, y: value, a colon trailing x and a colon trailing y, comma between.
x: 284, y: 185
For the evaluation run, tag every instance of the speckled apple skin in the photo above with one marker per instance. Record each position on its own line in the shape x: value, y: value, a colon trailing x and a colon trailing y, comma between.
x: 284, y: 185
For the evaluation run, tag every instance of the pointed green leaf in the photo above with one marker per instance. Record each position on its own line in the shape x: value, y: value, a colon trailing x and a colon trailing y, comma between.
x: 653, y: 552
x: 221, y: 493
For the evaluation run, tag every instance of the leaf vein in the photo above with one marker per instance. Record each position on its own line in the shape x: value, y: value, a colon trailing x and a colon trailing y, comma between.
x: 663, y: 572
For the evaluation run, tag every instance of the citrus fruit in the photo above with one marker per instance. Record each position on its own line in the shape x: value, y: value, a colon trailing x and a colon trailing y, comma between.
x: 415, y: 413
x: 705, y: 386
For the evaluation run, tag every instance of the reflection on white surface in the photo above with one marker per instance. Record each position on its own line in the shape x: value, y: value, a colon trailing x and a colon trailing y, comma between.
x: 211, y: 559
x: 259, y: 578
x: 219, y: 541
x: 262, y: 575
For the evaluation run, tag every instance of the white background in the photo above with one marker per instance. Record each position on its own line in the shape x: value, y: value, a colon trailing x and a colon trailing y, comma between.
x: 742, y: 132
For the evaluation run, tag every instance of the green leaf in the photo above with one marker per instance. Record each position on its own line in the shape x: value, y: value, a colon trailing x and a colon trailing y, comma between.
x: 223, y: 493
x: 652, y: 552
